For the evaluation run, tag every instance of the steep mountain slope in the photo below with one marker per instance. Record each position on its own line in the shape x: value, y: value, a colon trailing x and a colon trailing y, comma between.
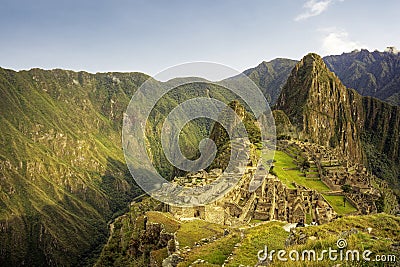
x: 271, y: 76
x: 370, y: 73
x: 62, y: 170
x: 320, y: 106
x: 327, y: 113
x: 61, y: 165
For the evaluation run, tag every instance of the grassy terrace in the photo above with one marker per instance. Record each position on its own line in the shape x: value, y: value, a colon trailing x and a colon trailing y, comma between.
x: 384, y: 234
x: 337, y: 204
x: 171, y: 225
x: 195, y: 230
x: 214, y: 253
x: 284, y: 168
x: 270, y: 234
x: 287, y: 173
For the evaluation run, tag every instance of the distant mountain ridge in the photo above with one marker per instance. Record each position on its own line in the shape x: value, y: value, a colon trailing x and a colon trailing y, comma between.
x: 375, y: 74
x: 271, y: 76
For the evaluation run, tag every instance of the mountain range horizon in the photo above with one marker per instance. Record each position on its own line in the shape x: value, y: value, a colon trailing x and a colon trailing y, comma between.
x: 388, y: 49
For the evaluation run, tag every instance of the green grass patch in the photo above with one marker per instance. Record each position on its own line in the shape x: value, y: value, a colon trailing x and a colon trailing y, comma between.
x: 214, y: 253
x: 384, y: 234
x: 171, y: 225
x: 158, y: 256
x: 337, y: 204
x: 270, y: 234
x: 192, y: 231
x: 284, y: 162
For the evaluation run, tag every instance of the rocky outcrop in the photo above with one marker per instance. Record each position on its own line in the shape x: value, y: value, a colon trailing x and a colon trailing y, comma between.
x: 320, y: 106
x: 327, y: 113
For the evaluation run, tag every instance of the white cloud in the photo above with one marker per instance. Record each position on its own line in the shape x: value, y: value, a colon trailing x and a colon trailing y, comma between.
x: 314, y: 8
x: 337, y: 41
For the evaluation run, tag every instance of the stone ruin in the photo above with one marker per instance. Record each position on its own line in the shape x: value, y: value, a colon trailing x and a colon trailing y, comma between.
x: 335, y: 171
x: 273, y: 200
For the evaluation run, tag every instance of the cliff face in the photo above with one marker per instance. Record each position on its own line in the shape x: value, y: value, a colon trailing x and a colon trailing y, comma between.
x: 320, y: 106
x: 382, y: 124
x: 327, y: 113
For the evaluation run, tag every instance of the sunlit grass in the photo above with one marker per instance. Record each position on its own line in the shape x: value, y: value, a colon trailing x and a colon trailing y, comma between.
x: 192, y: 231
x: 285, y: 169
x: 337, y: 204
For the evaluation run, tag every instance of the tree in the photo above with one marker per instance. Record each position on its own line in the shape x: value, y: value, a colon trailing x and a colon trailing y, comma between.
x: 346, y: 188
x: 305, y: 165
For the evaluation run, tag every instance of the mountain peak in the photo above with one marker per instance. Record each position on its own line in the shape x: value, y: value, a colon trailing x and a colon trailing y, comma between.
x: 319, y: 105
x: 314, y: 63
x: 310, y: 74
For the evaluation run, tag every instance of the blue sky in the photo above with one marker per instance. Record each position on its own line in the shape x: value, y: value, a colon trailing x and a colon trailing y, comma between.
x: 149, y: 36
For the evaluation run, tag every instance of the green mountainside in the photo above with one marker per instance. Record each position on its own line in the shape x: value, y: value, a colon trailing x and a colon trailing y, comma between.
x: 364, y: 129
x: 62, y: 168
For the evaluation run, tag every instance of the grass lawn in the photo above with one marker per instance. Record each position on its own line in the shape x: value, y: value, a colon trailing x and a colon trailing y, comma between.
x: 270, y: 234
x: 214, y: 253
x: 192, y: 231
x: 171, y: 225
x: 284, y: 161
x: 385, y: 229
x: 337, y: 204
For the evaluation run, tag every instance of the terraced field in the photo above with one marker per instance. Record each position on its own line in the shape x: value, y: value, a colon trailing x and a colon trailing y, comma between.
x: 241, y: 246
x: 288, y: 172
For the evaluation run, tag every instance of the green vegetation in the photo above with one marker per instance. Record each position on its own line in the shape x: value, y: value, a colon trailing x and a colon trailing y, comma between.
x: 62, y: 159
x: 270, y: 234
x: 214, y: 253
x: 339, y: 205
x: 192, y: 231
x: 288, y: 172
